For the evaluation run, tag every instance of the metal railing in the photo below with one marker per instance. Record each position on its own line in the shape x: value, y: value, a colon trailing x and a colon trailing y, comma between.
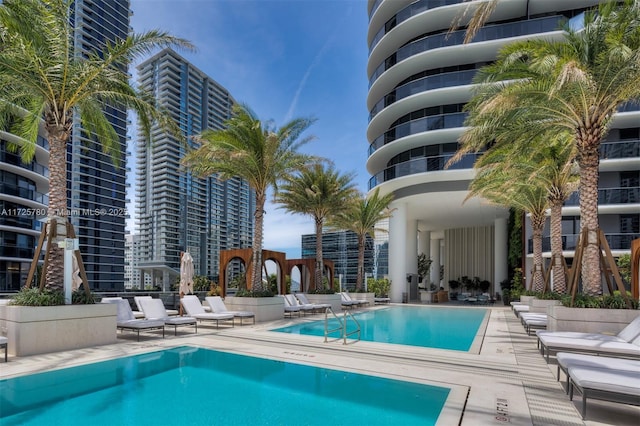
x: 344, y: 334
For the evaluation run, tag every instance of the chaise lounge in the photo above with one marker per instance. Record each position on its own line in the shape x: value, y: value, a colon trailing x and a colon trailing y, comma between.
x: 218, y: 307
x: 194, y: 309
x: 625, y: 344
x: 125, y: 319
x: 154, y: 310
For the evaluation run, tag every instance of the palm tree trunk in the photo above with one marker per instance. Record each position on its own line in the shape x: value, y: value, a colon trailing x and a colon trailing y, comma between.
x: 359, y: 277
x: 589, y: 159
x: 559, y: 279
x: 319, y: 258
x: 537, y: 224
x: 54, y: 273
x: 256, y: 258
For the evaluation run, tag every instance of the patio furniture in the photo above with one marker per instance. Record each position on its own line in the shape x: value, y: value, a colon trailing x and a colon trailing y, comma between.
x: 625, y: 344
x: 170, y: 312
x: 291, y: 300
x: 568, y: 360
x: 125, y: 320
x: 4, y: 342
x: 318, y: 307
x: 218, y: 307
x: 381, y: 300
x: 605, y: 384
x: 154, y: 310
x: 532, y: 320
x: 194, y: 309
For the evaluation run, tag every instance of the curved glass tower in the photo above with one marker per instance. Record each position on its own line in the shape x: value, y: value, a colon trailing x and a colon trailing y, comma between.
x: 419, y: 81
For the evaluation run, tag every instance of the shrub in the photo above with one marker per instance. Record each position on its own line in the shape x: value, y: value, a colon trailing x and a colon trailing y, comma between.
x: 379, y: 286
x: 254, y: 293
x: 322, y: 291
x: 201, y: 283
x: 80, y: 297
x: 624, y: 267
x: 214, y: 290
x: 609, y: 301
x: 32, y: 296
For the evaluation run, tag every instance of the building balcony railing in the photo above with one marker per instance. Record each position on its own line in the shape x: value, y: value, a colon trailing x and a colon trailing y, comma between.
x: 25, y: 193
x: 412, y: 10
x: 433, y: 122
x: 432, y: 82
x: 489, y: 32
x: 620, y: 149
x: 421, y: 165
x: 569, y: 242
x: 15, y: 160
x: 630, y: 195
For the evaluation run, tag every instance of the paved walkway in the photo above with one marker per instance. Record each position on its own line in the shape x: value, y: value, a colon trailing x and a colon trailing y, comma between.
x: 503, y: 381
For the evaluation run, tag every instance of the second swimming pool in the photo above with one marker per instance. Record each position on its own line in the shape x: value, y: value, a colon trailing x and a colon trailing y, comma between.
x: 432, y: 327
x: 191, y: 386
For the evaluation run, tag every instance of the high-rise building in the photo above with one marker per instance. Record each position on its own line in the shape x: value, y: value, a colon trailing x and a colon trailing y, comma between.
x: 176, y: 211
x: 95, y: 184
x: 420, y: 78
x: 342, y: 248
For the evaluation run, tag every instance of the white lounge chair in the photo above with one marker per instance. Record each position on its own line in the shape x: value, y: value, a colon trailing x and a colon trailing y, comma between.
x: 194, y: 309
x: 518, y: 309
x: 533, y: 320
x: 381, y: 300
x: 319, y: 307
x: 125, y: 319
x: 4, y: 343
x: 218, y: 307
x: 154, y: 310
x: 170, y: 312
x: 568, y: 360
x: 348, y: 302
x: 606, y: 384
x: 291, y: 300
x: 290, y: 310
x: 358, y: 301
x: 625, y: 344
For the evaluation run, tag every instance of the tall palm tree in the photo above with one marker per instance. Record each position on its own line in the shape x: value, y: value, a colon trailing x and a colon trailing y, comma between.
x: 319, y: 192
x: 576, y: 85
x: 44, y: 81
x: 258, y: 152
x: 361, y: 217
x: 503, y: 178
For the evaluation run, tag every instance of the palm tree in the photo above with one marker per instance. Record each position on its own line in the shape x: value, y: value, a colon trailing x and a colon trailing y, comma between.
x: 258, y: 152
x: 577, y: 85
x: 320, y: 192
x: 503, y: 179
x: 361, y: 217
x: 43, y: 81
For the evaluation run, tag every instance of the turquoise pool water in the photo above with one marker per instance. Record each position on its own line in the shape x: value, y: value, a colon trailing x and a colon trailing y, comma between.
x: 442, y: 328
x: 190, y: 386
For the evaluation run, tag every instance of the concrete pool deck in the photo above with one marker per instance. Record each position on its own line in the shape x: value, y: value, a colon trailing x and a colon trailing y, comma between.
x: 506, y: 381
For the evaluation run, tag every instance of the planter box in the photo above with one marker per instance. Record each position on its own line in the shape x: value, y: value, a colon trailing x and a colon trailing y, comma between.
x: 588, y: 320
x: 265, y: 308
x: 43, y: 329
x: 428, y: 296
x: 333, y: 299
x: 540, y: 306
x: 526, y: 299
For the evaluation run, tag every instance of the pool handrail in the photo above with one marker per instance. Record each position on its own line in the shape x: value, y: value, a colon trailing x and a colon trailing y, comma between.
x: 343, y: 326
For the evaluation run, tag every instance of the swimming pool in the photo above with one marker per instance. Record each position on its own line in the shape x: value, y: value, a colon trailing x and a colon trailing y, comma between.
x: 442, y: 328
x: 195, y: 386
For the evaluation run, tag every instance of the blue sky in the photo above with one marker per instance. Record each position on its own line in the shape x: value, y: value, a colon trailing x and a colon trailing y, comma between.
x: 285, y: 59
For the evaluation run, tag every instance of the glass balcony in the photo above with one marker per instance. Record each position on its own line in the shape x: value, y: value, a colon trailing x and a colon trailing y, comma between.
x: 458, y: 78
x: 433, y: 122
x: 606, y: 196
x: 421, y: 165
x: 15, y: 160
x: 569, y: 242
x: 489, y: 32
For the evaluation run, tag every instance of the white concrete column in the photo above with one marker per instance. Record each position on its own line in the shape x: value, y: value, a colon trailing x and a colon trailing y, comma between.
x: 397, y: 251
x: 412, y: 247
x: 500, y: 239
x: 424, y: 243
x: 435, y: 264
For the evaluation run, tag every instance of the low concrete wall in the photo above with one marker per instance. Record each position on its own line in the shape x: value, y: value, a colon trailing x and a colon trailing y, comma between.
x: 540, y: 306
x: 43, y: 329
x: 589, y: 320
x: 333, y: 299
x: 265, y: 308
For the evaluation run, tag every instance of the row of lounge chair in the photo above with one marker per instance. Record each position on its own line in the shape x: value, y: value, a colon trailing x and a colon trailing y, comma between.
x: 598, y: 366
x: 156, y: 317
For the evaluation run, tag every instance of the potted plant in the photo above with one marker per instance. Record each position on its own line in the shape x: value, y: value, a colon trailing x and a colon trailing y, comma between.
x: 454, y: 285
x: 424, y: 265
